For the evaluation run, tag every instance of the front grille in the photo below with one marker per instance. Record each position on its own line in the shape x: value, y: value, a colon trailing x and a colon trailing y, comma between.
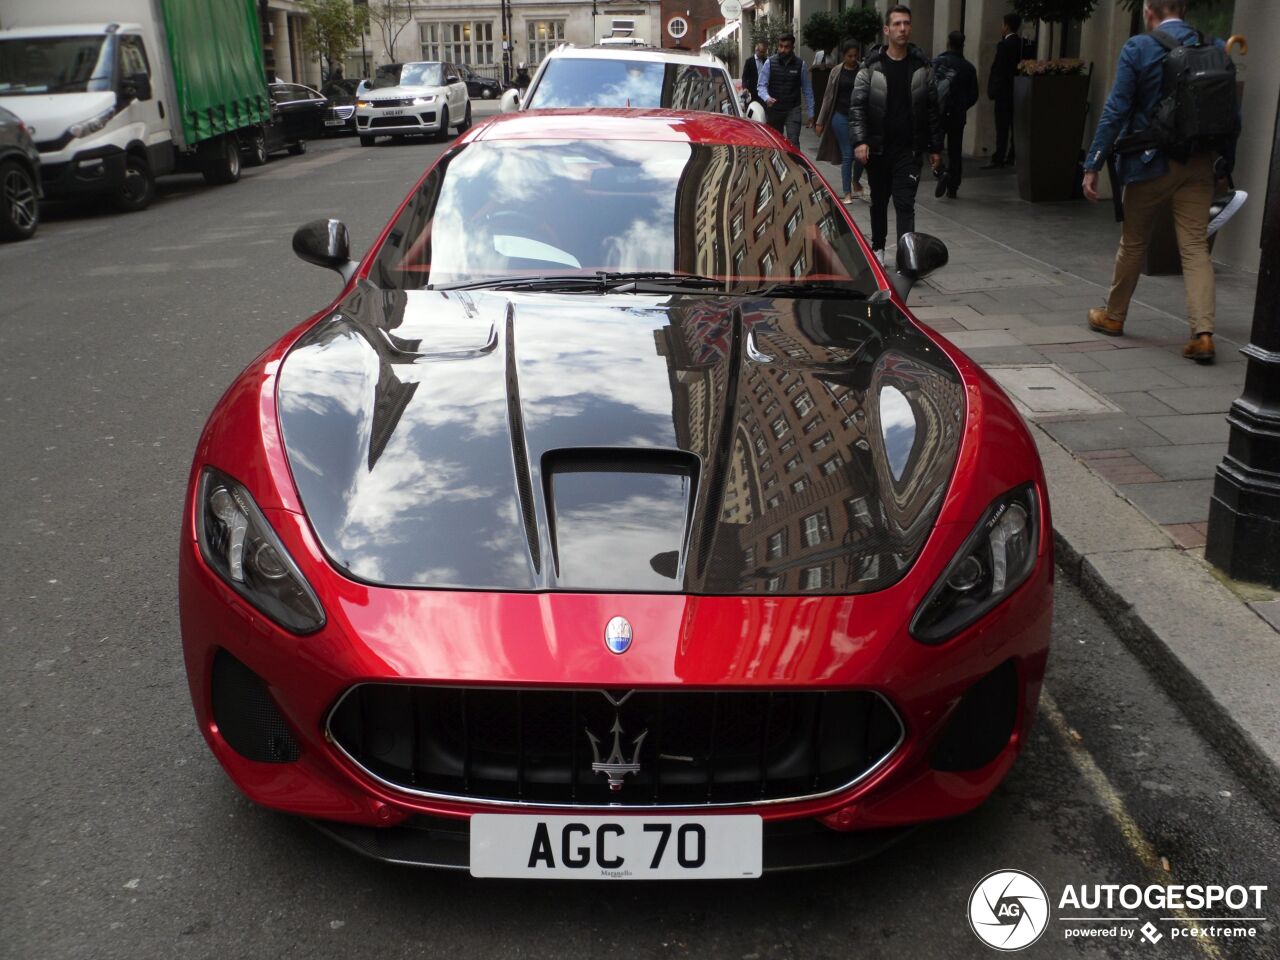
x: 408, y: 120
x: 392, y: 102
x: 699, y: 748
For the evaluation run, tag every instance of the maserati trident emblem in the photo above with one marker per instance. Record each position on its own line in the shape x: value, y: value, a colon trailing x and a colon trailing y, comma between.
x: 616, y: 766
x: 617, y: 635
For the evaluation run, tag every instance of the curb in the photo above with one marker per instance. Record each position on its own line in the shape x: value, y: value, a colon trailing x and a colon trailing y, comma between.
x: 1212, y: 654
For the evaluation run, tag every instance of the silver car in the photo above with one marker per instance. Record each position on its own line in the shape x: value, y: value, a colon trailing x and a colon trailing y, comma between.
x: 423, y: 97
x: 19, y: 179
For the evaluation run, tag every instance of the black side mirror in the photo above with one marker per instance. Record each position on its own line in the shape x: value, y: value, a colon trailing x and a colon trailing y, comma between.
x: 326, y: 243
x: 919, y: 255
x: 136, y: 87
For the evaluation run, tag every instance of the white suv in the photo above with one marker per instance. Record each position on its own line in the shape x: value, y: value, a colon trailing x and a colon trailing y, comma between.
x: 424, y: 97
x: 613, y: 75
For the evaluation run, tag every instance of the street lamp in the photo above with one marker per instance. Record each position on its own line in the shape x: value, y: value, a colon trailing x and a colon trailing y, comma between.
x: 1244, y: 513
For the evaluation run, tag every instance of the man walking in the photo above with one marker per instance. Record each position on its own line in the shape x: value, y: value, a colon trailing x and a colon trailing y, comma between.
x: 786, y: 88
x: 751, y: 71
x: 1000, y: 88
x: 893, y: 121
x: 1181, y: 174
x: 957, y: 82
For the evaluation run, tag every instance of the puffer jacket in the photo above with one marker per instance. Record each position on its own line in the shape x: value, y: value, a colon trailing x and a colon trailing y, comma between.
x: 871, y: 93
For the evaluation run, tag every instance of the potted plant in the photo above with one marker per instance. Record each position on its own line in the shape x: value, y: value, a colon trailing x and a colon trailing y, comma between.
x: 861, y: 24
x: 821, y: 32
x: 1050, y: 104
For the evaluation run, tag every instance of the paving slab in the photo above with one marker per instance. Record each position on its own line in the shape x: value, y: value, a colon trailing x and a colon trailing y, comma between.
x: 1104, y: 433
x: 1183, y: 461
x: 1190, y: 427
x: 1126, y: 381
x: 1005, y: 355
x: 1172, y: 501
x: 1137, y: 404
x: 1126, y: 359
x: 1055, y: 333
x: 999, y: 321
x: 970, y: 339
x: 1217, y: 399
x: 1075, y: 362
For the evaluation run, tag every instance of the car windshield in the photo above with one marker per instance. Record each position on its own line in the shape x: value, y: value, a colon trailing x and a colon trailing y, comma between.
x: 581, y: 82
x: 419, y: 75
x: 31, y: 65
x: 746, y: 217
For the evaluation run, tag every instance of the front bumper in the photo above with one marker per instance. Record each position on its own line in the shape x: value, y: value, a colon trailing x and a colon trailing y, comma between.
x: 399, y: 121
x: 101, y: 170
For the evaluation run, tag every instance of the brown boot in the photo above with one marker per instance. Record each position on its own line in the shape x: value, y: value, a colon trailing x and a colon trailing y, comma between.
x: 1103, y: 322
x: 1199, y: 348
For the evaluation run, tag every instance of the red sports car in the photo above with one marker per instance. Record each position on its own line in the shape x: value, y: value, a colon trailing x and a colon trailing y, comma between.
x: 616, y: 520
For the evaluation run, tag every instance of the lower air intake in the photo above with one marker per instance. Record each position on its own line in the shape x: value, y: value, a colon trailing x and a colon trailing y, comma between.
x: 247, y: 718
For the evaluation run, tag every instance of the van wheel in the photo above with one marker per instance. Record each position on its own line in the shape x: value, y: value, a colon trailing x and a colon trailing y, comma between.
x: 256, y: 147
x: 19, y: 202
x: 220, y: 160
x: 366, y: 141
x: 443, y: 133
x: 139, y: 187
x: 465, y: 125
x: 298, y: 148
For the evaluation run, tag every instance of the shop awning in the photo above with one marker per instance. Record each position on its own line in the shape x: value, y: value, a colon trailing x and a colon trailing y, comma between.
x: 728, y: 30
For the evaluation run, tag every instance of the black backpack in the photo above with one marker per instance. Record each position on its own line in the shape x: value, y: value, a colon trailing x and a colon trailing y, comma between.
x: 943, y: 74
x: 1197, y: 107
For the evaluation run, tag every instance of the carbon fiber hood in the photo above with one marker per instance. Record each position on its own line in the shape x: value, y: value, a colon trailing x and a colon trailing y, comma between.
x: 702, y: 444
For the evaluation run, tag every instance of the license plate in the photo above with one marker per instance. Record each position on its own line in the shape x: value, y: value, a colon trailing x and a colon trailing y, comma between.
x: 334, y: 123
x: 392, y: 113
x: 615, y: 848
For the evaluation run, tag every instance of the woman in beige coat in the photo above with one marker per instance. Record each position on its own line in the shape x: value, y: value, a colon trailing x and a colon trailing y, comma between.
x: 833, y: 122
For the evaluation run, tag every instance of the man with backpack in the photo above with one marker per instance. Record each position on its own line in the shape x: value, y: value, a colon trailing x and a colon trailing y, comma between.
x: 1172, y: 119
x: 957, y: 81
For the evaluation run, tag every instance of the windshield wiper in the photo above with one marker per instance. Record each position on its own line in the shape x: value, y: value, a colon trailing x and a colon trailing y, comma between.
x: 575, y: 281
x: 623, y: 282
x: 604, y: 281
x: 816, y: 289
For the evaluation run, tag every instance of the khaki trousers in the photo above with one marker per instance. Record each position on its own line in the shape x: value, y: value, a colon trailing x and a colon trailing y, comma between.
x: 1189, y: 187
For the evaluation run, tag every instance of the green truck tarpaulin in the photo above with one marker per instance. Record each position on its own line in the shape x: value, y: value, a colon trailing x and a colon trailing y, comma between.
x: 215, y: 47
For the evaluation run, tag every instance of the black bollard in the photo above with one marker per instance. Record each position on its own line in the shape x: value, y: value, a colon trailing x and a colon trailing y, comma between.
x: 1244, y: 512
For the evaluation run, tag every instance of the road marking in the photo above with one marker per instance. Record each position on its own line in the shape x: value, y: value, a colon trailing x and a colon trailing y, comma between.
x: 1134, y: 838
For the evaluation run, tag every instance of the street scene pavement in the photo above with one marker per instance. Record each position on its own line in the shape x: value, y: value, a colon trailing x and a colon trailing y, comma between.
x: 121, y: 837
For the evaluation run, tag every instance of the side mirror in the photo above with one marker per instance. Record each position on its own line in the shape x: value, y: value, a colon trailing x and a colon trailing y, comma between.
x: 136, y: 87
x: 919, y: 255
x: 510, y: 101
x: 755, y: 111
x: 451, y: 79
x: 326, y: 243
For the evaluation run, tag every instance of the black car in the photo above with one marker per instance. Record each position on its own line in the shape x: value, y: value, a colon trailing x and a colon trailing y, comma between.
x: 485, y: 88
x: 298, y: 114
x: 19, y: 179
x: 342, y: 95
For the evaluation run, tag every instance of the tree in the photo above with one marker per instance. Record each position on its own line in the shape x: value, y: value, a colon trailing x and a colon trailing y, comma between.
x: 334, y: 27
x: 768, y: 29
x: 1055, y: 11
x: 821, y: 31
x: 863, y: 25
x: 726, y: 49
x: 390, y: 18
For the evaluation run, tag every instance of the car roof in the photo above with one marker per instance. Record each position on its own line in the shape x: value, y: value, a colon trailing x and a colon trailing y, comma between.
x: 623, y: 52
x: 680, y: 126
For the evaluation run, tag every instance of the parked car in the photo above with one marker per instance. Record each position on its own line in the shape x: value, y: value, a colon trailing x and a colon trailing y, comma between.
x: 479, y: 87
x: 298, y: 114
x: 630, y: 76
x: 342, y: 96
x: 425, y: 97
x: 617, y: 499
x: 19, y: 179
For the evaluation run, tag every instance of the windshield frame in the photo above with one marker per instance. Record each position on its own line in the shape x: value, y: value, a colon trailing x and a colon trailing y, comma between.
x: 830, y: 242
x: 670, y: 71
x: 414, y: 68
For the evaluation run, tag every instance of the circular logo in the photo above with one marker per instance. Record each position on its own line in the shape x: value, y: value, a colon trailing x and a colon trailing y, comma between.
x: 731, y: 9
x: 1008, y: 910
x: 617, y: 635
x: 677, y: 27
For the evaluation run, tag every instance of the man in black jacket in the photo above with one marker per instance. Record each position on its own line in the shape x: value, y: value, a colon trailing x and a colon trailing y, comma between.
x: 893, y: 121
x: 957, y: 81
x: 751, y: 71
x: 1000, y: 88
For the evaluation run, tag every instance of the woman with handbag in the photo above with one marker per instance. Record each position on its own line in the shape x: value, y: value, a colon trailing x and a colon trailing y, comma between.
x: 833, y: 122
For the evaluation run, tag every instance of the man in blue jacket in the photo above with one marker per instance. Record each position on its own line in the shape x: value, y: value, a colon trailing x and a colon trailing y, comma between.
x: 786, y: 87
x: 1151, y: 179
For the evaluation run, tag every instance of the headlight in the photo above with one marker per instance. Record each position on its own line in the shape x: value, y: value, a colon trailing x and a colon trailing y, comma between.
x: 364, y: 103
x: 423, y: 101
x: 993, y: 562
x: 92, y: 125
x: 237, y: 542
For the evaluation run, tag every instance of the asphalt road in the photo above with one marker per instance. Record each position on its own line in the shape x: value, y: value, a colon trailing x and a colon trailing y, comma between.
x: 119, y: 835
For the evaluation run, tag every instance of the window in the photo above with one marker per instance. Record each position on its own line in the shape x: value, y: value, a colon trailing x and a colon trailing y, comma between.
x: 431, y: 37
x: 766, y: 264
x: 773, y: 405
x: 793, y: 224
x: 735, y: 230
x: 779, y: 167
x: 787, y: 446
x: 815, y: 528
x: 780, y: 426
x: 760, y: 447
x: 793, y: 464
x: 815, y: 578
x: 788, y: 193
x: 859, y: 510
x: 776, y: 545
x: 803, y: 404
x: 770, y: 482
x: 764, y: 194
x: 766, y: 464
x: 774, y: 502
x: 813, y: 425
x: 793, y: 387
x: 774, y: 585
x: 133, y: 58
x: 800, y: 485
x: 831, y: 466
x: 544, y: 36
x: 821, y: 442
x: 801, y: 267
x: 749, y: 556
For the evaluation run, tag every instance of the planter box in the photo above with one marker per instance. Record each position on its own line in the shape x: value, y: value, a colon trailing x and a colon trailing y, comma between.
x: 1048, y: 127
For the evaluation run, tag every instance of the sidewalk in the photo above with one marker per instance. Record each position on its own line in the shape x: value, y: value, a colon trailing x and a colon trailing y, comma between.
x: 1130, y: 434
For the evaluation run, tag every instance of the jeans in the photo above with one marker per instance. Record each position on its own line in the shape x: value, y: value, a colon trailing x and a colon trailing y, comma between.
x: 895, y: 174
x: 1189, y: 187
x: 786, y: 122
x: 850, y: 169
